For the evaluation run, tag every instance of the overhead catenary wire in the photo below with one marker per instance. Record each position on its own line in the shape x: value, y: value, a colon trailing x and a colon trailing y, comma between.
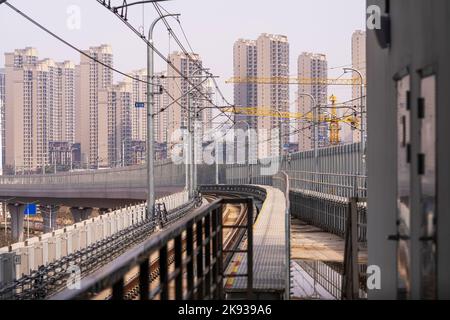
x: 158, y: 8
x: 192, y: 50
x: 179, y: 98
x: 194, y: 61
x: 27, y: 17
x: 195, y: 87
x: 71, y: 45
x: 150, y: 45
x: 189, y: 55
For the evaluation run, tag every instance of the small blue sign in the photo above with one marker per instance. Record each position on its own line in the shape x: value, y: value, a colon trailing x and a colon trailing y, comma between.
x: 139, y: 105
x: 30, y: 209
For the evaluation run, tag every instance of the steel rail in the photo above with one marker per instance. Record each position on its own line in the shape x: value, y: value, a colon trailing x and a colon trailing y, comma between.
x: 231, y: 242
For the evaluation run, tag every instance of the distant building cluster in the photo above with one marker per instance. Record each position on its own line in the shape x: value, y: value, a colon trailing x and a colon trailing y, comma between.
x: 61, y: 115
x: 67, y: 116
x: 263, y: 62
x: 266, y: 57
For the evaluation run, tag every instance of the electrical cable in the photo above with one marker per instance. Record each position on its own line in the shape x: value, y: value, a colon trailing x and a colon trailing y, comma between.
x: 71, y: 45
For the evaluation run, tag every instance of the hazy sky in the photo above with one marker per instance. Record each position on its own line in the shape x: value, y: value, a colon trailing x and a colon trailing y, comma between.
x: 212, y: 26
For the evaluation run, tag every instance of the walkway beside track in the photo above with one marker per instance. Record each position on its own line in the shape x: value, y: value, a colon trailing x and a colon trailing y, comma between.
x: 269, y: 252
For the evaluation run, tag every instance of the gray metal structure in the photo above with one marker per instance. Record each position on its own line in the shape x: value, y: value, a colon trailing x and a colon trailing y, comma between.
x: 408, y: 150
x: 150, y: 117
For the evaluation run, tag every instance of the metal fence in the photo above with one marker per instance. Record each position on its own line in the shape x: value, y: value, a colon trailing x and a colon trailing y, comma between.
x: 329, y: 275
x: 322, y: 187
x: 338, y: 171
x: 321, y: 184
x: 327, y: 212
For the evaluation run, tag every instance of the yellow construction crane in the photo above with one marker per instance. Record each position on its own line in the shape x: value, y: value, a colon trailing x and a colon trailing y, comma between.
x: 268, y: 112
x: 297, y: 81
x: 331, y: 118
x: 334, y: 123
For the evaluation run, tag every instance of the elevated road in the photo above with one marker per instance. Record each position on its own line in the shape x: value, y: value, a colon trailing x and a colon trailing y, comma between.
x: 108, y: 188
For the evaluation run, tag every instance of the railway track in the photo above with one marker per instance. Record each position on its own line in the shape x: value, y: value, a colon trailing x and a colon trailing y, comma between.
x: 232, y: 215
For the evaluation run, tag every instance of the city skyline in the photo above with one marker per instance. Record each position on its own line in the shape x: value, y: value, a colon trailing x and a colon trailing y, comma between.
x: 239, y: 152
x: 130, y: 51
x: 55, y: 107
x: 107, y: 136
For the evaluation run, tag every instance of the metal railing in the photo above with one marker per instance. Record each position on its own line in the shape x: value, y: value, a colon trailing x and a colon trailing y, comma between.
x: 193, y: 245
x: 339, y: 171
x: 329, y: 275
x: 336, y: 171
x: 321, y: 185
x: 281, y: 181
x: 327, y: 212
x: 342, y: 185
x: 167, y: 173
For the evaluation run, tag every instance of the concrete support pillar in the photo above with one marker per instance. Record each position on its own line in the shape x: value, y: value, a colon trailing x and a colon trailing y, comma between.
x: 80, y: 214
x: 49, y: 213
x: 17, y: 217
x: 7, y: 272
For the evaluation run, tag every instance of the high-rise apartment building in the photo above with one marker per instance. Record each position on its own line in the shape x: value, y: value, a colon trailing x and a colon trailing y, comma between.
x: 208, y: 109
x: 18, y: 106
x: 359, y: 63
x: 2, y: 119
x: 39, y: 108
x: 66, y: 78
x: 245, y: 67
x: 314, y: 67
x: 139, y: 115
x: 91, y: 79
x: 189, y: 66
x: 272, y: 62
x: 115, y: 125
x: 161, y: 101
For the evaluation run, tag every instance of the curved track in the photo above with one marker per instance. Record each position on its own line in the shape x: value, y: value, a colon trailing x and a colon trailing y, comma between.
x: 233, y: 214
